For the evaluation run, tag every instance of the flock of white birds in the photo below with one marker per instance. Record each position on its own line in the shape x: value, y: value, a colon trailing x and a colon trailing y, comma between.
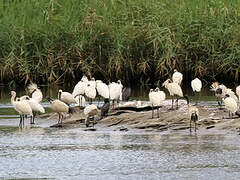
x: 26, y: 105
x: 85, y: 88
x: 173, y: 86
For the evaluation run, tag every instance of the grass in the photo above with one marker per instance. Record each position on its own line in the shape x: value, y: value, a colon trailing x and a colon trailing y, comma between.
x: 138, y: 42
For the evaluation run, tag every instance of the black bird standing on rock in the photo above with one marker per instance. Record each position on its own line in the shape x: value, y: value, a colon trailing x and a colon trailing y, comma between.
x: 105, y: 108
x: 126, y: 93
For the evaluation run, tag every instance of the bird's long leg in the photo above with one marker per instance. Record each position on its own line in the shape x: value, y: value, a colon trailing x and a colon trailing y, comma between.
x: 158, y: 111
x: 90, y: 101
x: 33, y: 117
x: 219, y: 103
x: 172, y: 104
x: 59, y: 117
x: 20, y: 122
x: 177, y: 102
x: 113, y: 104
x: 198, y: 95
x: 190, y: 125
x: 79, y: 101
x: 196, y: 98
x: 93, y: 121
x: 98, y: 100
x: 86, y: 121
x: 195, y: 126
x: 118, y: 104
x: 152, y: 111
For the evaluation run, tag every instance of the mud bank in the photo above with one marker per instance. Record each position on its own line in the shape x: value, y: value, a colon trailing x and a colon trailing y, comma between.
x: 130, y: 118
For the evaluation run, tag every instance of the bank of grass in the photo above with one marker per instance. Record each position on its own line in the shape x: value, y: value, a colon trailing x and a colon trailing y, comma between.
x: 142, y: 41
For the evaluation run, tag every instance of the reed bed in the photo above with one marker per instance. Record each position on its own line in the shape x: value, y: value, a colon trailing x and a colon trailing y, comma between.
x: 140, y: 41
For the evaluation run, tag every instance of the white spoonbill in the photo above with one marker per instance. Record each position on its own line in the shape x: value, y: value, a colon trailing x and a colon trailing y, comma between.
x: 79, y: 88
x: 221, y: 90
x: 193, y: 114
x: 173, y: 89
x: 196, y: 85
x: 66, y: 97
x: 230, y: 104
x: 90, y: 91
x: 177, y: 77
x: 156, y: 97
x: 59, y: 107
x: 90, y: 111
x: 36, y: 92
x: 102, y: 89
x: 22, y: 107
x: 35, y: 106
x: 115, y: 91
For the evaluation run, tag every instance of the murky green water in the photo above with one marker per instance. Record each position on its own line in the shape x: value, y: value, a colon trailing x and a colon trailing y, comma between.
x: 40, y: 152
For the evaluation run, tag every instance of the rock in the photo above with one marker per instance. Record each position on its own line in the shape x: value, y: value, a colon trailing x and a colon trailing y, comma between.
x: 210, y: 127
x: 90, y: 129
x: 150, y: 125
x: 181, y: 128
x: 56, y: 126
x: 123, y: 129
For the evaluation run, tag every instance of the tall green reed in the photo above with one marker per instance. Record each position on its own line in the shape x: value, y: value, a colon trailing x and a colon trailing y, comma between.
x: 136, y: 41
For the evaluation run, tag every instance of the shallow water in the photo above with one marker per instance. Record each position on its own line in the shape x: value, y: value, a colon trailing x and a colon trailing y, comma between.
x: 75, y: 154
x: 40, y: 152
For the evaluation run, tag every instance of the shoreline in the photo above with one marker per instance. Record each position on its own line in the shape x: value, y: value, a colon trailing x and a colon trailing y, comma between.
x: 210, y: 118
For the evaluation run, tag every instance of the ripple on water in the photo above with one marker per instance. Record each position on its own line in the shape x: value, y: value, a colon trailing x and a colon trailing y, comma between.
x: 76, y: 154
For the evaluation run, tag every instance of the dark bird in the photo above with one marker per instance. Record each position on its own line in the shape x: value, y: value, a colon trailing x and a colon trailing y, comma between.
x: 126, y: 93
x: 105, y: 108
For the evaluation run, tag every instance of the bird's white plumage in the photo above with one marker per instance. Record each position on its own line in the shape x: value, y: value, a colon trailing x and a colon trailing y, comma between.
x: 230, y: 104
x: 22, y: 107
x: 79, y: 88
x: 196, y: 85
x: 66, y: 97
x: 59, y: 106
x: 115, y: 90
x: 177, y: 77
x: 102, y: 89
x: 156, y: 97
x: 36, y: 92
x: 84, y: 79
x: 92, y: 82
x: 37, y: 107
x: 90, y: 110
x: 224, y: 89
x: 90, y: 91
x: 173, y: 88
x: 231, y: 94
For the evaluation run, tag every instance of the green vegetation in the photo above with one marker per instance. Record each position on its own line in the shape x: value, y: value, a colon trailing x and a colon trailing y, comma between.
x: 141, y: 41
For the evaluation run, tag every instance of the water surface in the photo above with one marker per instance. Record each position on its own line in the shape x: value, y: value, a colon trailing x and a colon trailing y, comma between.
x: 75, y: 154
x: 40, y: 152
